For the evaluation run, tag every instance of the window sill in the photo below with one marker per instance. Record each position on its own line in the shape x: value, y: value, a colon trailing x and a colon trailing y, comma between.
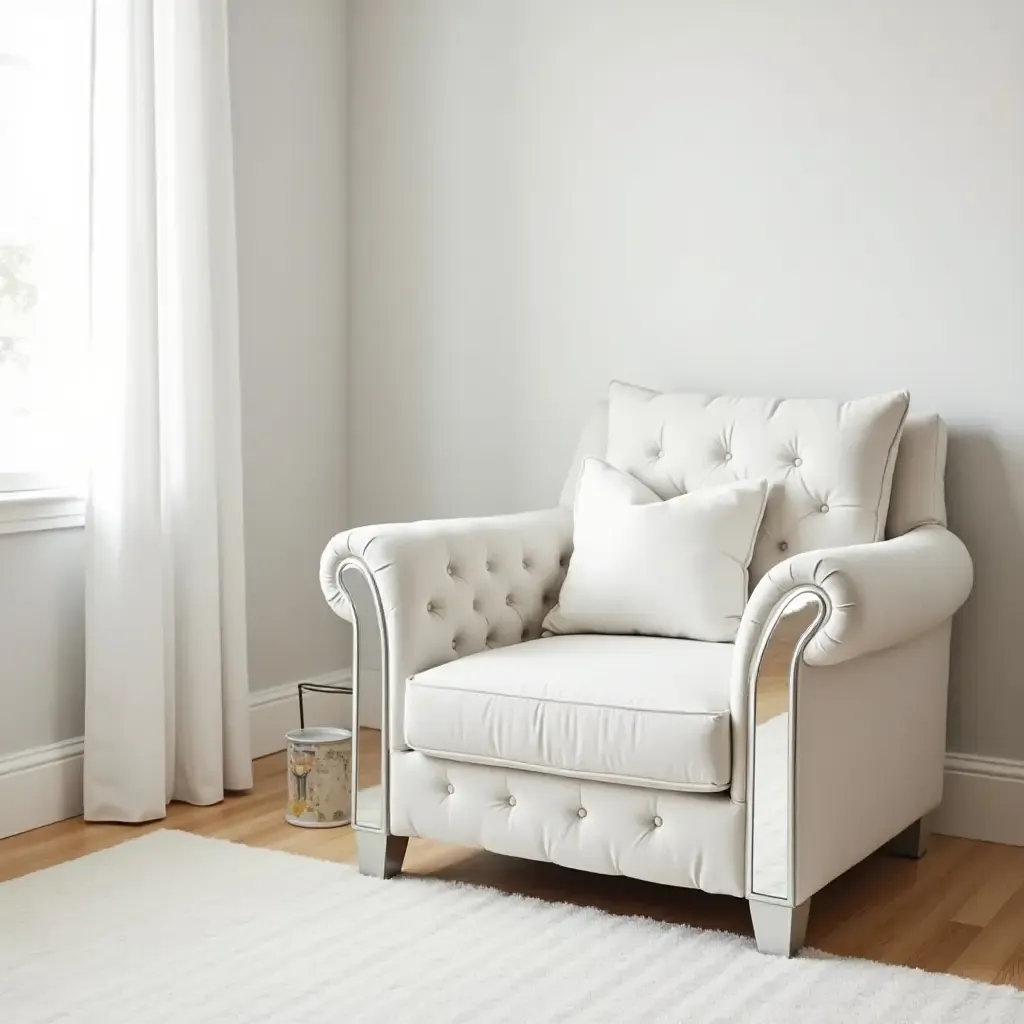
x: 28, y: 511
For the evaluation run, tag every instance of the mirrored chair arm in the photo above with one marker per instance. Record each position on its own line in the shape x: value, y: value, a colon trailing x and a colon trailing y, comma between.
x: 772, y: 723
x: 813, y: 613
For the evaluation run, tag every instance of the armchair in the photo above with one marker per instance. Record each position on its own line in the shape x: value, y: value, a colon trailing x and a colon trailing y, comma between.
x: 675, y: 761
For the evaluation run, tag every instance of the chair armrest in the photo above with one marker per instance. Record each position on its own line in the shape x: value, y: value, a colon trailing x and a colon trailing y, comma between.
x: 452, y: 587
x: 876, y: 595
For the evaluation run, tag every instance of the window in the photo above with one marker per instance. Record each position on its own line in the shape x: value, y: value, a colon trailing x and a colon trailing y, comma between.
x: 45, y: 73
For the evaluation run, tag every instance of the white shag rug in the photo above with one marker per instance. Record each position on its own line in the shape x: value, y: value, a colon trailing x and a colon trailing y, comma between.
x: 172, y: 927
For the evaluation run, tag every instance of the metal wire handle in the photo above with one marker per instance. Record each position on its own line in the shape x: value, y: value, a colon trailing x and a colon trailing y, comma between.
x: 317, y: 688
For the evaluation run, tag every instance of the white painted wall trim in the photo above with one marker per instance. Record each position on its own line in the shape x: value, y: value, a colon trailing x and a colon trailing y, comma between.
x: 25, y: 511
x: 44, y: 784
x: 275, y: 711
x: 983, y: 799
x: 40, y: 786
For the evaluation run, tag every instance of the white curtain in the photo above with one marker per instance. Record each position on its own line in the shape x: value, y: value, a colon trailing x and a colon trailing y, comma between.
x: 166, y: 712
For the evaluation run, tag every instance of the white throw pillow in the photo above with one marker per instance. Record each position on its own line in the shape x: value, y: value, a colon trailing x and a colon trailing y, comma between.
x: 675, y: 568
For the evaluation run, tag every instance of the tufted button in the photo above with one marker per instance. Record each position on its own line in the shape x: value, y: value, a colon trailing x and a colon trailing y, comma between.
x: 489, y: 565
x: 455, y: 644
x: 581, y: 813
x: 451, y: 789
x: 798, y: 462
x: 511, y: 801
x: 508, y: 600
x: 526, y: 563
x: 783, y: 546
x: 727, y: 456
x: 430, y: 606
x: 657, y: 821
x: 477, y: 604
x: 824, y: 508
x: 450, y: 571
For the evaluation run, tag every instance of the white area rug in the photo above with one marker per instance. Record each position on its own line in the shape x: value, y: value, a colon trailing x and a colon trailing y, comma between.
x: 171, y: 927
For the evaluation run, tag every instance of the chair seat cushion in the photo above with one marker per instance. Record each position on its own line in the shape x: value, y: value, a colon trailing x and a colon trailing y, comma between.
x: 642, y: 711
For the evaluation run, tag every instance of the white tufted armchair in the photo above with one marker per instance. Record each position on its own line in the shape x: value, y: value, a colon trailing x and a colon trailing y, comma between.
x: 674, y: 761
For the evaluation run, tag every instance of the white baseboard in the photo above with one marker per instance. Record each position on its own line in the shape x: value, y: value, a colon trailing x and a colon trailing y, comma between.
x: 275, y: 712
x: 983, y: 798
x: 40, y: 786
x: 44, y: 784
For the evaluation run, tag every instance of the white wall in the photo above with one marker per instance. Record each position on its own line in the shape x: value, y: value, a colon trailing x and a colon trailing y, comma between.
x: 288, y: 109
x: 42, y: 664
x: 788, y: 197
x: 288, y: 81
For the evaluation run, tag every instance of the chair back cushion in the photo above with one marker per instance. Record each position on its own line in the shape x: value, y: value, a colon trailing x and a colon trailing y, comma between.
x: 829, y: 464
x: 593, y: 442
x: 918, y: 483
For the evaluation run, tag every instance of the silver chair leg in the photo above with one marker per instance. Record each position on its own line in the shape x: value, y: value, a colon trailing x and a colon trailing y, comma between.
x: 380, y: 855
x: 779, y: 930
x: 912, y: 841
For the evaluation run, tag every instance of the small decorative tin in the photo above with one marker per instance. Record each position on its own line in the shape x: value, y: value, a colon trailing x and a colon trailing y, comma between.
x: 319, y: 777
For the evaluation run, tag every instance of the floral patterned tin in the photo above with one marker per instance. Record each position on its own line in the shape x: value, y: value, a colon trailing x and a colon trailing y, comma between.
x: 319, y: 777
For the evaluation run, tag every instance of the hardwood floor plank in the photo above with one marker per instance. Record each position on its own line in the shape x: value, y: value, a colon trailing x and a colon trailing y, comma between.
x: 944, y: 945
x: 995, y: 891
x: 906, y: 887
x: 933, y: 910
x: 997, y: 943
x: 1012, y: 972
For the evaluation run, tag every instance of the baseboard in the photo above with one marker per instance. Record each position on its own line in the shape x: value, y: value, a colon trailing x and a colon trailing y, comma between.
x: 983, y: 798
x: 40, y: 786
x: 44, y: 784
x: 275, y: 712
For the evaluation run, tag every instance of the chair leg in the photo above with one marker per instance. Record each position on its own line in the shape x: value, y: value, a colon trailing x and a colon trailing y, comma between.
x: 380, y: 855
x: 912, y: 841
x: 779, y: 930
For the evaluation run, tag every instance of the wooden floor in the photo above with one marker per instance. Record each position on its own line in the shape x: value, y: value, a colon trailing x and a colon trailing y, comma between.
x: 960, y: 909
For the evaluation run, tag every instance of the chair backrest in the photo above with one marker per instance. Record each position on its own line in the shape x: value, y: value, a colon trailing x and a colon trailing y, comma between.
x: 794, y: 521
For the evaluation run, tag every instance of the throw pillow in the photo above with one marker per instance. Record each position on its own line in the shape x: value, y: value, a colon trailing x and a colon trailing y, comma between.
x: 675, y: 568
